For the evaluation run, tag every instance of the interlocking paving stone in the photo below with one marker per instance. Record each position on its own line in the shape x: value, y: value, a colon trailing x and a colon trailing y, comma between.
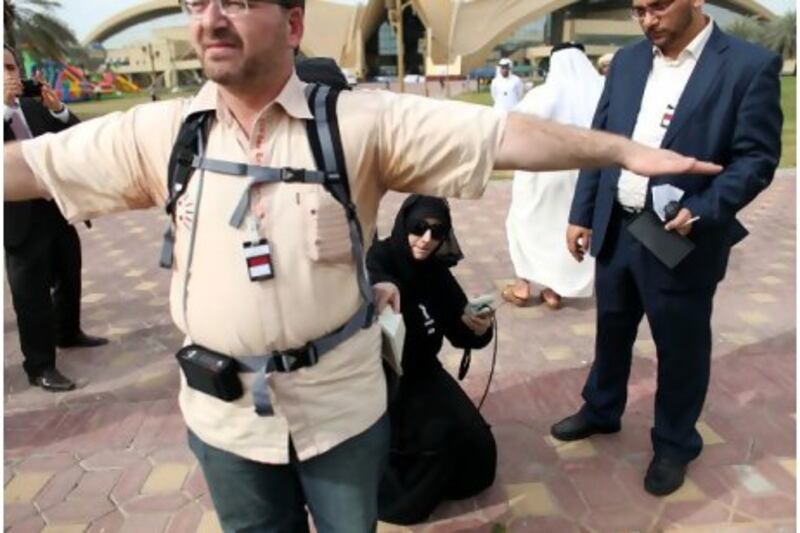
x: 32, y: 524
x: 112, y: 522
x: 15, y: 513
x: 186, y: 520
x: 84, y: 510
x: 95, y: 484
x: 123, y: 423
x: 383, y: 527
x: 530, y: 499
x: 165, y: 478
x: 59, y: 487
x: 46, y: 463
x: 209, y: 523
x: 710, y: 437
x: 790, y: 465
x: 152, y: 523
x: 687, y: 493
x: 160, y: 502
x: 752, y: 480
x: 70, y: 528
x: 24, y: 486
x: 572, y: 450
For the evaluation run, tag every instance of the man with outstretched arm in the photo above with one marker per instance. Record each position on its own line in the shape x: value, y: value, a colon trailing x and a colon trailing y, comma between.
x: 320, y: 435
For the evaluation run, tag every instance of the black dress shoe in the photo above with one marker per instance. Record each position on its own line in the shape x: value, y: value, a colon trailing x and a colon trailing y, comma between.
x: 81, y: 340
x: 52, y: 380
x: 577, y: 427
x: 664, y: 476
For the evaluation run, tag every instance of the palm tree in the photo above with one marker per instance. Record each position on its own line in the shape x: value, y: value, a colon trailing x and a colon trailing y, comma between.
x: 9, y: 13
x: 33, y: 26
x: 781, y: 35
x: 747, y: 28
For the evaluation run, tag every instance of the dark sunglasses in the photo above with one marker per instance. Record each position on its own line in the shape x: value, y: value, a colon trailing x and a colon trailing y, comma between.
x: 419, y: 227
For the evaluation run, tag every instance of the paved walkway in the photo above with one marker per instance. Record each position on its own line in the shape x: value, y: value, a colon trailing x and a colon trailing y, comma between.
x: 111, y: 456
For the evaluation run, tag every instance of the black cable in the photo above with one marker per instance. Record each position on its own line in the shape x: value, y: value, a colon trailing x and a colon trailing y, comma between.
x: 494, y: 361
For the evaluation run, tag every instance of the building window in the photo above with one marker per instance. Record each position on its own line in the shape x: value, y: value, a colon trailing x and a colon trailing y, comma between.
x: 387, y: 42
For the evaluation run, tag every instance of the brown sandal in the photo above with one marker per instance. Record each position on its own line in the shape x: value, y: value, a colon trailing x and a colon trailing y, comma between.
x: 509, y: 296
x: 551, y: 299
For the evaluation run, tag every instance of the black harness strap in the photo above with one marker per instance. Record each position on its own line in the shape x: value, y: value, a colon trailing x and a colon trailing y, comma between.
x: 193, y: 134
x: 183, y: 153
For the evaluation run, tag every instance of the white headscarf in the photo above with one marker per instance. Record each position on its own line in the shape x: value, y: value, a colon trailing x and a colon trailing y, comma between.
x: 570, y: 93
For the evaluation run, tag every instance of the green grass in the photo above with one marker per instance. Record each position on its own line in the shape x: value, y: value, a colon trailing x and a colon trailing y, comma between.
x: 789, y: 136
x: 482, y: 98
x: 98, y: 108
x: 788, y: 104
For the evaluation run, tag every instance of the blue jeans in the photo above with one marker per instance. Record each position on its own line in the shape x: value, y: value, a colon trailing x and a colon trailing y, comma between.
x: 340, y: 487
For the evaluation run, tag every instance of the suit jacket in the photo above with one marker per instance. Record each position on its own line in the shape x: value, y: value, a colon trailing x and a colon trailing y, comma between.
x: 17, y: 215
x: 729, y: 113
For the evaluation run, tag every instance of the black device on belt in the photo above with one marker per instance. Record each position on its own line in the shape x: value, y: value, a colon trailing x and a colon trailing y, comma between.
x: 210, y: 372
x: 217, y: 374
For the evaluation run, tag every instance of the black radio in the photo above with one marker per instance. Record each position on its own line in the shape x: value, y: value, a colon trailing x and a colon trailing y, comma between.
x: 210, y: 372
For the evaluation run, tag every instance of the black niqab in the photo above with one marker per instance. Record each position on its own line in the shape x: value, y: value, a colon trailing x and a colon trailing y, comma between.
x: 447, y: 254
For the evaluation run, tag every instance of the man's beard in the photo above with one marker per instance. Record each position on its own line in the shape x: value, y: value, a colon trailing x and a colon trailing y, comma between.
x: 230, y: 73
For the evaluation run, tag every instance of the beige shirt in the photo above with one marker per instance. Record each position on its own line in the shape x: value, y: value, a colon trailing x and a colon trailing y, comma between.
x: 391, y: 141
x: 665, y: 85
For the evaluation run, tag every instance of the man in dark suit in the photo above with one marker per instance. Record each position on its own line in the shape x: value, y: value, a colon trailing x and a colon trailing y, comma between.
x: 43, y: 251
x: 691, y: 88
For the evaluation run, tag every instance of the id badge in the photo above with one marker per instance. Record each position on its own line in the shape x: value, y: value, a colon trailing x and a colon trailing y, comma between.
x: 258, y: 259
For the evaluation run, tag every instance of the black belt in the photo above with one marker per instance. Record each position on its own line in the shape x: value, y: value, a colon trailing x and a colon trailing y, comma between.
x: 627, y: 213
x: 216, y: 374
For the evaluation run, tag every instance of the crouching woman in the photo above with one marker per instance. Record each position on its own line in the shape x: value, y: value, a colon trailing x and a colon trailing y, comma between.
x: 442, y: 448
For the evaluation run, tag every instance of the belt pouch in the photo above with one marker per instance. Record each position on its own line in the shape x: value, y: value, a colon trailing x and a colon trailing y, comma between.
x: 210, y: 372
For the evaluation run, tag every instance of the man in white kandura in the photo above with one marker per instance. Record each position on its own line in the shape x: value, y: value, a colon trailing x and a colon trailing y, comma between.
x: 507, y: 89
x: 540, y: 201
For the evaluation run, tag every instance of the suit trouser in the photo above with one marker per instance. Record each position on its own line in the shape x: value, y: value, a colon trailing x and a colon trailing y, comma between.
x: 48, y: 259
x: 680, y: 323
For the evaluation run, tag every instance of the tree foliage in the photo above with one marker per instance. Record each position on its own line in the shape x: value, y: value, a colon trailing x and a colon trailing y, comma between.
x: 33, y: 26
x: 779, y: 34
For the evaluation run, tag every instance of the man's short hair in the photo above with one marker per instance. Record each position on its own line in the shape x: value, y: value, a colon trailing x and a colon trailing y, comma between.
x: 293, y: 3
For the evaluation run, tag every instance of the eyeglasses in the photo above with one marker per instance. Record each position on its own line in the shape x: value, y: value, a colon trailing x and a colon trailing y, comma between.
x: 419, y: 227
x: 656, y: 9
x: 229, y: 8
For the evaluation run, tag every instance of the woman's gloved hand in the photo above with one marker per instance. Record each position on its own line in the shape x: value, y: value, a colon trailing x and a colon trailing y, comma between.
x: 386, y: 293
x: 479, y: 324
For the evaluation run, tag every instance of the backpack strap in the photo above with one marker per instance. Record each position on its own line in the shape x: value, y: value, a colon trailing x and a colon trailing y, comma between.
x: 326, y: 146
x: 194, y: 130
x: 188, y: 145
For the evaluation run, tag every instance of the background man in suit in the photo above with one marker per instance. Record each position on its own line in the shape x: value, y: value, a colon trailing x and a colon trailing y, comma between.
x: 43, y: 251
x: 691, y: 88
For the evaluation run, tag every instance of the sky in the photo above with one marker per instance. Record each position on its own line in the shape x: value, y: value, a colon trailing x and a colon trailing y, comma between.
x: 84, y: 15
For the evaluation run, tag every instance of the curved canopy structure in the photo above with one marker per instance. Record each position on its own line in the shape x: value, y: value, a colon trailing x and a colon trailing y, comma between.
x: 143, y: 12
x: 471, y: 28
x: 468, y: 29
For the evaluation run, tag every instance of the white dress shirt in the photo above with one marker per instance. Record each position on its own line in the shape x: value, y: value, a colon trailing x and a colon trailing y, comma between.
x: 661, y: 96
x: 506, y: 92
x: 10, y: 110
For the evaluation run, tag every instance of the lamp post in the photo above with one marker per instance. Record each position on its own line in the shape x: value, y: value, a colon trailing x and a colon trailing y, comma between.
x: 149, y: 51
